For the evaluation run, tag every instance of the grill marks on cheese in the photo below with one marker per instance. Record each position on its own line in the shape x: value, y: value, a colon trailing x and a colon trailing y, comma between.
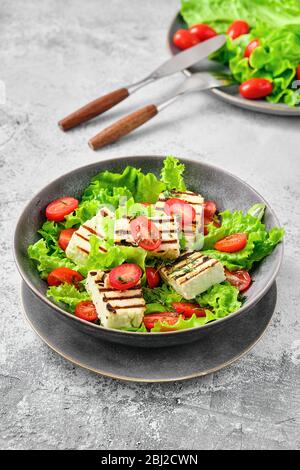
x: 196, y: 201
x: 193, y: 273
x: 115, y: 308
x: 79, y: 245
x: 183, y: 271
x: 169, y: 233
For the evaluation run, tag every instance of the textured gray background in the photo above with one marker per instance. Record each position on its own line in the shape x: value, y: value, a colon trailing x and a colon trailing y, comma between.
x: 54, y: 56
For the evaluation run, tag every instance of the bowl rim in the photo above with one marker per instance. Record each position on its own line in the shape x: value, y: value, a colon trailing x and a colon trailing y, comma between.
x: 124, y: 160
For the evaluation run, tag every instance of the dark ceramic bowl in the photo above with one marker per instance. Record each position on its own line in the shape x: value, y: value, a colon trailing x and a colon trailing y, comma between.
x: 212, y: 182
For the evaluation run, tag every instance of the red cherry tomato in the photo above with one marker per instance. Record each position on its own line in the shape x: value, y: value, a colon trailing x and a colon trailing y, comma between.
x: 256, y: 88
x: 181, y: 208
x: 232, y: 243
x: 65, y: 237
x: 202, y: 32
x: 169, y: 317
x: 145, y: 233
x: 58, y: 209
x: 189, y: 309
x: 183, y: 39
x: 251, y: 46
x: 210, y: 209
x: 125, y: 276
x: 298, y: 72
x: 240, y: 279
x: 238, y: 28
x: 86, y: 310
x: 153, y: 277
x: 64, y: 276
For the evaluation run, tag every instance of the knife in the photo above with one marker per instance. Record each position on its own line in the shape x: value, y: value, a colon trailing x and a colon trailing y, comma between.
x: 177, y: 63
x: 196, y: 82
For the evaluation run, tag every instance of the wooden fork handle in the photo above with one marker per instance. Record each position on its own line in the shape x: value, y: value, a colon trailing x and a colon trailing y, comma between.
x: 123, y: 127
x: 93, y: 109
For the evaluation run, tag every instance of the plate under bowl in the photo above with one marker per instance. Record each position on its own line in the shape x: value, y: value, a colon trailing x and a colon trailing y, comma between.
x: 213, y: 183
x: 228, y: 94
x: 218, y: 349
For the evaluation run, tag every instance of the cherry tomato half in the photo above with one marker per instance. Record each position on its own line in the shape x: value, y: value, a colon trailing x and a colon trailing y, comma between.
x: 145, y: 233
x: 125, y: 276
x: 183, y: 39
x: 210, y: 209
x: 298, y: 72
x: 202, y: 32
x: 58, y: 209
x: 153, y: 277
x: 189, y: 309
x: 238, y: 28
x: 86, y: 310
x: 181, y: 208
x: 256, y: 88
x: 64, y: 276
x: 251, y: 46
x: 240, y: 279
x: 169, y: 317
x: 65, y: 237
x: 232, y: 243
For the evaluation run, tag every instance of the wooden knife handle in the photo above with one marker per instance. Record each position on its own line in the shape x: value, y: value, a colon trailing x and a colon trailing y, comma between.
x: 93, y: 109
x: 123, y: 127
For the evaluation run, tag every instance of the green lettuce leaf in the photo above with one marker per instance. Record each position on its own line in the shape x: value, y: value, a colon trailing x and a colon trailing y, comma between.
x: 222, y: 298
x: 221, y: 13
x: 68, y: 294
x: 182, y: 324
x: 46, y: 260
x: 114, y: 256
x: 85, y: 211
x: 140, y: 329
x: 132, y: 183
x: 163, y: 295
x: 50, y: 232
x: 172, y: 174
x: 275, y: 23
x: 260, y: 242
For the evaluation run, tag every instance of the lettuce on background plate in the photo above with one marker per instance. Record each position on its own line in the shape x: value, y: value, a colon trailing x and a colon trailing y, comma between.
x: 276, y: 23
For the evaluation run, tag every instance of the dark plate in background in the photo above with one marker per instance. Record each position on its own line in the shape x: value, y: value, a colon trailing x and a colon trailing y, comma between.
x: 228, y: 94
x: 214, y: 183
x: 217, y: 349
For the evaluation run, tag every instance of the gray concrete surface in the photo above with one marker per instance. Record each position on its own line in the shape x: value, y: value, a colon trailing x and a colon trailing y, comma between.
x: 54, y: 56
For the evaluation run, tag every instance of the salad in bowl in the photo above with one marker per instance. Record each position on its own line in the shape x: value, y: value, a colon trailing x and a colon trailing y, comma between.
x: 142, y: 253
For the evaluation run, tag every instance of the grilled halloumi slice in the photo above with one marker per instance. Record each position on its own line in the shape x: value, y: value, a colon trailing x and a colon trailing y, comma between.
x: 79, y: 246
x: 169, y: 232
x: 193, y: 234
x: 193, y: 273
x: 115, y: 308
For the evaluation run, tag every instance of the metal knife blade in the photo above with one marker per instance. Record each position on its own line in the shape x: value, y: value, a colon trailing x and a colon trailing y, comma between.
x: 189, y: 57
